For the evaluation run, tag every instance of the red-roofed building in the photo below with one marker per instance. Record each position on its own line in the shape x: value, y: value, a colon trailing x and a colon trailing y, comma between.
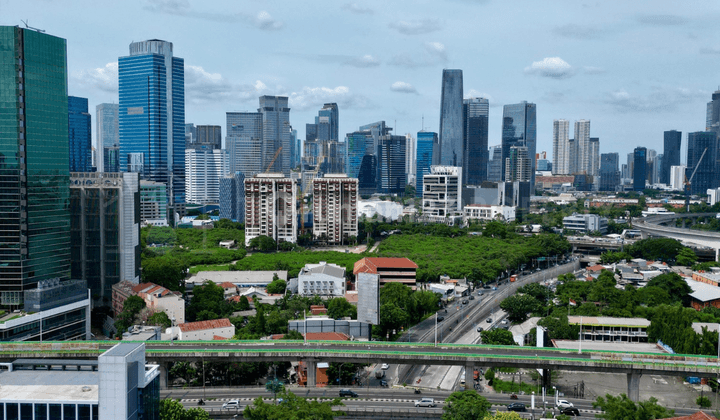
x: 389, y: 270
x: 700, y: 415
x: 229, y: 289
x: 157, y: 298
x: 321, y: 377
x: 596, y: 268
x: 327, y: 336
x: 318, y: 310
x: 206, y: 330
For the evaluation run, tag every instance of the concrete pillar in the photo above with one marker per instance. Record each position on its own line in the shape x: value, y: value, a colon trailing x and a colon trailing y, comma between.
x: 163, y: 375
x: 717, y: 254
x: 633, y: 383
x: 311, y: 365
x: 547, y: 382
x: 469, y: 381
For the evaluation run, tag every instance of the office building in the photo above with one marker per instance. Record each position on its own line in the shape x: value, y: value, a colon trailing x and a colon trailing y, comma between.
x: 410, y: 159
x: 519, y: 129
x: 543, y: 165
x: 609, y: 173
x: 427, y: 147
x: 334, y: 208
x: 153, y: 203
x: 585, y: 223
x: 672, y: 141
x: 204, y: 137
x: 391, y: 165
x: 321, y: 279
x: 358, y: 144
x: 79, y: 135
x: 582, y: 147
x: 475, y: 140
x: 190, y: 133
x: 107, y: 137
x: 594, y: 157
x: 657, y: 168
x: 326, y: 127
x: 295, y: 149
x: 270, y: 208
x: 203, y: 170
x: 639, y: 168
x: 518, y: 164
x: 475, y: 212
x: 706, y: 176
x: 152, y: 115
x: 275, y: 134
x: 561, y: 147
x: 442, y: 193
x: 332, y: 157
x: 677, y: 177
x: 34, y: 163
x: 513, y: 194
x: 367, y: 175
x: 451, y: 119
x: 495, y: 164
x: 244, y: 142
x: 368, y: 306
x: 105, y: 230
x: 232, y: 197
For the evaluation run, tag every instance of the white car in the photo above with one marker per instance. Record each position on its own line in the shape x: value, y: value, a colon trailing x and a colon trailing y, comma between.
x: 231, y: 404
x: 425, y: 402
x: 564, y: 404
x: 384, y: 366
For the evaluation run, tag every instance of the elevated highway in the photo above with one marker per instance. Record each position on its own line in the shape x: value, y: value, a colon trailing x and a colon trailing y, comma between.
x: 653, y: 226
x: 469, y: 356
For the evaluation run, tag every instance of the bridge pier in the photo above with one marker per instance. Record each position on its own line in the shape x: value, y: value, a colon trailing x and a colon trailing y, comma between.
x: 469, y: 376
x: 311, y: 365
x: 633, y: 383
x: 717, y: 254
x: 163, y: 368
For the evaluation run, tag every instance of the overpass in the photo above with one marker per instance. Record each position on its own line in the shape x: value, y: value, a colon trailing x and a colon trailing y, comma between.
x: 634, y: 365
x: 653, y: 226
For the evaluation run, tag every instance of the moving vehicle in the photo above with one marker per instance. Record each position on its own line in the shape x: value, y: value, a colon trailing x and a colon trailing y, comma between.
x: 201, y: 402
x: 504, y: 322
x: 471, y: 297
x: 479, y: 329
x: 440, y: 318
x: 231, y: 404
x: 379, y: 374
x: 564, y: 404
x: 513, y: 278
x: 513, y: 396
x: 348, y: 393
x: 383, y: 383
x: 570, y: 411
x: 465, y: 302
x: 384, y: 366
x: 516, y: 407
x: 425, y: 402
x: 417, y: 391
x: 489, y: 320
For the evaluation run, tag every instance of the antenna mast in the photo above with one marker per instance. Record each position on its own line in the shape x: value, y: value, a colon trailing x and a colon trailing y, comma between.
x: 42, y: 31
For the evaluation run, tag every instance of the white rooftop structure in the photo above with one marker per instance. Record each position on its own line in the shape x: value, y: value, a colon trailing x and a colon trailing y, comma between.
x: 387, y: 209
x: 238, y: 278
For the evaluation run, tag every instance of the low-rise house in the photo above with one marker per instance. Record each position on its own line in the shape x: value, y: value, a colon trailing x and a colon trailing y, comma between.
x: 229, y: 289
x: 157, y: 298
x: 321, y: 279
x: 206, y: 330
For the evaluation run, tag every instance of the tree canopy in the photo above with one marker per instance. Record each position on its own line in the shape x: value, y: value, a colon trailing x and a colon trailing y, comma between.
x: 498, y: 336
x: 292, y: 408
x: 465, y: 405
x: 172, y: 410
x: 622, y: 408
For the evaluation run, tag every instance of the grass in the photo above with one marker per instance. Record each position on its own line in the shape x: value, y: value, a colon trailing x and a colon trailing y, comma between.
x: 209, y: 267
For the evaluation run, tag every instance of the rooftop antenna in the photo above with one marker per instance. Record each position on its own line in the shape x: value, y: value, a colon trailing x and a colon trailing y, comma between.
x: 42, y: 31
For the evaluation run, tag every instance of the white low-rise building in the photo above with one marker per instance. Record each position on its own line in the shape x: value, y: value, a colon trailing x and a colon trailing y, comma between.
x: 442, y: 192
x: 321, y: 279
x: 585, y: 223
x: 206, y: 330
x: 488, y: 212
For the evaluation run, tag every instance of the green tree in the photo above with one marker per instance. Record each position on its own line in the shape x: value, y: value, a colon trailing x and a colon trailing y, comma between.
x: 490, y: 376
x: 160, y: 319
x: 172, y: 410
x: 292, y: 408
x: 208, y: 302
x: 165, y: 271
x: 263, y: 243
x: 346, y: 372
x: 277, y: 287
x: 498, y: 336
x: 495, y: 229
x: 686, y: 257
x: 243, y: 304
x: 622, y: 408
x: 519, y: 306
x: 703, y: 402
x: 184, y: 370
x: 293, y: 335
x: 504, y: 415
x: 465, y: 405
x: 339, y: 308
x: 131, y: 309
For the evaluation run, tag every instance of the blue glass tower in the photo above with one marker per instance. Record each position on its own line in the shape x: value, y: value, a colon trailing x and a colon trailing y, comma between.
x: 706, y: 176
x: 152, y: 115
x: 79, y: 137
x: 451, y: 119
x: 519, y: 129
x: 639, y: 168
x: 427, y: 147
x: 356, y: 148
x: 671, y: 153
x: 475, y: 140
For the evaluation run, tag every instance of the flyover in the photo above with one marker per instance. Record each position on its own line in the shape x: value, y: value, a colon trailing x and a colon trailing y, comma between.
x: 634, y: 365
x: 653, y: 226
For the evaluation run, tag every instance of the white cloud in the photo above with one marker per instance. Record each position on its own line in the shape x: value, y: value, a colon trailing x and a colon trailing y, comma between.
x: 437, y: 49
x: 660, y: 98
x: 103, y: 78
x: 364, y: 61
x: 357, y: 9
x: 472, y: 93
x: 403, y: 87
x: 312, y: 97
x: 416, y: 27
x: 264, y: 21
x: 554, y: 67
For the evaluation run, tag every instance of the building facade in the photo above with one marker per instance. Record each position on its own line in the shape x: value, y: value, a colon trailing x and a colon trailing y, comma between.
x: 34, y: 163
x: 391, y: 165
x: 518, y: 165
x: 520, y: 129
x: 476, y: 112
x: 152, y: 115
x: 205, y: 137
x: 442, y: 192
x: 153, y: 203
x: 585, y: 223
x: 672, y: 141
x: 451, y: 118
x: 334, y: 208
x: 495, y: 165
x: 389, y: 270
x: 561, y: 151
x: 107, y: 137
x: 427, y: 147
x: 275, y: 134
x: 594, y: 157
x: 706, y: 174
x: 232, y: 197
x: 639, y: 168
x: 582, y: 145
x: 79, y: 134
x: 609, y: 171
x: 487, y: 212
x: 203, y: 170
x: 270, y: 208
x: 244, y: 142
x: 677, y: 177
x: 321, y: 279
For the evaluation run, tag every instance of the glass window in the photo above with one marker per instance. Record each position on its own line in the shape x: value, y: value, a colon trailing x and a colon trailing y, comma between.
x: 11, y: 412
x: 94, y: 412
x: 69, y: 412
x: 26, y: 411
x: 83, y: 412
x: 41, y: 411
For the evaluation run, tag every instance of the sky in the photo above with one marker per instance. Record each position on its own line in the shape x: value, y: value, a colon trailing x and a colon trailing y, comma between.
x: 633, y: 68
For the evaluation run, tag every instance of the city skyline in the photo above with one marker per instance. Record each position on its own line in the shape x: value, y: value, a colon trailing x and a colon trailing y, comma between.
x: 564, y: 57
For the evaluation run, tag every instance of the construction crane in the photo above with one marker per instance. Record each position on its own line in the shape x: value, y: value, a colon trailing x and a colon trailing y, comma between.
x: 688, y: 182
x: 277, y: 153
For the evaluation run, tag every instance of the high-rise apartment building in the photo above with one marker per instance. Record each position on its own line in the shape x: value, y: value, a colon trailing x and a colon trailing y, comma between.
x: 519, y: 129
x: 79, y: 134
x: 475, y: 140
x: 582, y: 145
x: 639, y: 170
x: 427, y: 154
x: 334, y: 206
x: 152, y: 115
x: 105, y: 231
x: 561, y: 147
x: 706, y: 176
x: 594, y: 156
x: 442, y: 192
x: 203, y: 170
x: 677, y: 177
x: 657, y: 168
x: 107, y: 137
x: 232, y: 197
x: 672, y: 141
x: 34, y: 162
x: 205, y: 137
x: 244, y: 142
x: 410, y: 158
x: 295, y: 149
x: 451, y: 118
x: 275, y: 133
x: 270, y: 208
x: 496, y: 165
x: 609, y: 172
x: 391, y: 165
x: 518, y: 164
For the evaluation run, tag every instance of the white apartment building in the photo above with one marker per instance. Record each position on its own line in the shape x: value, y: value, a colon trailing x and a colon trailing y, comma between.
x: 321, y: 279
x: 442, y: 192
x: 488, y: 212
x: 585, y: 223
x: 203, y: 170
x: 561, y: 152
x: 677, y: 177
x: 335, y: 208
x: 270, y: 207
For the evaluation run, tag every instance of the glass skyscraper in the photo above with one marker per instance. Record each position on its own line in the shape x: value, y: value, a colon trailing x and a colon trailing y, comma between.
x: 427, y: 151
x: 451, y: 119
x: 79, y: 137
x: 356, y: 148
x: 107, y: 137
x: 34, y: 162
x: 276, y: 134
x: 671, y: 153
x: 609, y: 171
x: 244, y: 142
x: 639, y: 168
x: 706, y: 176
x: 475, y: 140
x: 391, y: 165
x: 152, y: 115
x: 519, y: 129
x: 232, y: 197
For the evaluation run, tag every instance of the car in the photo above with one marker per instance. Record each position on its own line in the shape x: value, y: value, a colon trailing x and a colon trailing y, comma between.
x: 425, y: 402
x: 504, y: 322
x: 383, y: 383
x: 564, y: 404
x: 480, y: 293
x: 489, y: 320
x: 465, y: 302
x: 440, y: 318
x: 231, y: 404
x: 384, y: 366
x: 471, y: 297
x: 486, y: 287
x: 479, y: 329
x: 516, y: 407
x: 348, y: 393
x: 570, y: 411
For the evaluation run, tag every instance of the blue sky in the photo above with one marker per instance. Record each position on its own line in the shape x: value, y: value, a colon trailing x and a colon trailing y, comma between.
x: 634, y: 68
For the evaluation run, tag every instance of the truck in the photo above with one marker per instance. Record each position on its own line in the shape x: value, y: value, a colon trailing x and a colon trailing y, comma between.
x: 476, y: 375
x: 513, y: 277
x: 379, y: 374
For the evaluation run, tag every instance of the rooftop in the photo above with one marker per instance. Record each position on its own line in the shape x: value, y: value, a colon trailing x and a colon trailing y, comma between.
x: 237, y: 277
x: 57, y: 385
x: 703, y: 292
x: 122, y: 349
x: 700, y: 415
x: 608, y: 321
x: 373, y: 264
x: 332, y: 270
x: 205, y: 325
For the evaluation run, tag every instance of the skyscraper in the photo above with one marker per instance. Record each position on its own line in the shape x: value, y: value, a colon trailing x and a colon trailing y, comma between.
x: 706, y: 176
x: 427, y: 151
x: 391, y: 165
x: 244, y: 142
x: 451, y: 118
x: 107, y: 137
x: 609, y: 173
x: 519, y: 129
x: 207, y: 137
x: 582, y: 145
x: 34, y: 162
x: 358, y: 144
x: 672, y: 141
x: 232, y: 197
x: 79, y: 134
x: 276, y: 134
x: 152, y: 115
x: 326, y: 124
x: 410, y: 158
x: 639, y: 168
x: 475, y: 140
x: 594, y: 156
x: 495, y: 164
x: 518, y: 164
x: 203, y: 170
x: 561, y: 147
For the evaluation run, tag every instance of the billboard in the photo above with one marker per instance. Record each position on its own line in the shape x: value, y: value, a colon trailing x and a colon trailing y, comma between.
x: 368, y: 308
